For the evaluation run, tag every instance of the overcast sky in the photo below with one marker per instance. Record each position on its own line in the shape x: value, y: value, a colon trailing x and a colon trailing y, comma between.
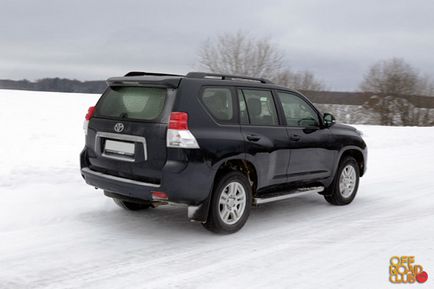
x: 337, y: 40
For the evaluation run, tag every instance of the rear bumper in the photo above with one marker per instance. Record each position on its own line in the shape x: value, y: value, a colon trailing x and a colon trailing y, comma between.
x: 197, y: 201
x: 127, y: 187
x: 191, y: 185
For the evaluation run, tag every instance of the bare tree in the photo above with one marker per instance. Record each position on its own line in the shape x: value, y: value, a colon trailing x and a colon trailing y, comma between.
x: 392, y: 77
x: 301, y: 80
x: 426, y: 86
x: 391, y: 82
x: 242, y: 54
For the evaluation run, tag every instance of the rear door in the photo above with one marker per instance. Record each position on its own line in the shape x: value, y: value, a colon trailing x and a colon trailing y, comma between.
x: 266, y: 141
x: 127, y: 135
x: 311, y: 157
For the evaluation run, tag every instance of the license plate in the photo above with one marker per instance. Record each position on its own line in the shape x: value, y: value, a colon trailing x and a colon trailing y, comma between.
x: 119, y: 147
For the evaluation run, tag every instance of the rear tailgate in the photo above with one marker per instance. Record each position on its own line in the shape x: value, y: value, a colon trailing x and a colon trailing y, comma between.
x: 127, y: 134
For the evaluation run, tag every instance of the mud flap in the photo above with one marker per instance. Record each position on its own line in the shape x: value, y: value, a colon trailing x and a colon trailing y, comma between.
x: 200, y: 212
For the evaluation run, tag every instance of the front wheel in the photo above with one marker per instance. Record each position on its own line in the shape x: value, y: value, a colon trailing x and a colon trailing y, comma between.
x: 230, y: 204
x: 343, y: 190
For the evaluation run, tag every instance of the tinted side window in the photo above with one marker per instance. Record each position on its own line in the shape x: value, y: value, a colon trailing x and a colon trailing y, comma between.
x: 260, y: 107
x: 297, y: 111
x: 219, y: 102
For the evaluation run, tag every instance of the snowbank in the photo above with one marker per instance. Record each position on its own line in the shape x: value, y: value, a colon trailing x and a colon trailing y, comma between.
x: 57, y: 232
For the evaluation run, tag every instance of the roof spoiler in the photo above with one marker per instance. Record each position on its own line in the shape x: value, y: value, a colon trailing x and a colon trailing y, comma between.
x: 141, y: 73
x: 151, y: 79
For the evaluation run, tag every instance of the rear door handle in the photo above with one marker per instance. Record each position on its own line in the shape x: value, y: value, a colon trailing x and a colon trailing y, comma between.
x: 252, y: 137
x: 295, y: 137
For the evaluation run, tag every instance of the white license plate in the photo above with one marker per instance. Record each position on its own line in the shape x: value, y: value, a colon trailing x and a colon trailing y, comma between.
x: 119, y: 147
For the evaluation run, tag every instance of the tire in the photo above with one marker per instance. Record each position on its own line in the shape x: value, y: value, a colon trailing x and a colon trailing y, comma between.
x: 344, y: 187
x: 230, y: 204
x: 130, y: 206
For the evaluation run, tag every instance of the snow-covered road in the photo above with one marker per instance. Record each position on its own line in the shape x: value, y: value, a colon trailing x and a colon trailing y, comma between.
x: 57, y: 232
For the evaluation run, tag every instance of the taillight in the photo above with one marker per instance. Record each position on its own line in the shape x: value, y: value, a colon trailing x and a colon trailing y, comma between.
x: 88, y: 116
x: 90, y: 112
x: 178, y: 120
x: 178, y: 135
x: 159, y: 196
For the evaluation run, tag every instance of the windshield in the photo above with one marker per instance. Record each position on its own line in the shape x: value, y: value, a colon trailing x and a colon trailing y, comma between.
x: 129, y: 102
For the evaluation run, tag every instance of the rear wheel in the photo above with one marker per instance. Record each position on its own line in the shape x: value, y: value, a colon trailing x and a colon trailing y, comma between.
x: 343, y: 190
x: 131, y: 206
x: 230, y: 204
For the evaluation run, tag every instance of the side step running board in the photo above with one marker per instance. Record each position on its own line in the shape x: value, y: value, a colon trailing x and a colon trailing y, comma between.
x: 287, y: 195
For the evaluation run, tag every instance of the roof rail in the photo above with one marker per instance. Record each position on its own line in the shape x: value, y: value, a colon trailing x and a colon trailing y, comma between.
x: 140, y: 73
x: 225, y: 76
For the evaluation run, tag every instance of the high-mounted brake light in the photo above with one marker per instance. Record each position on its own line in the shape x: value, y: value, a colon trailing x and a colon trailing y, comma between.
x: 88, y: 116
x: 90, y: 112
x: 178, y: 135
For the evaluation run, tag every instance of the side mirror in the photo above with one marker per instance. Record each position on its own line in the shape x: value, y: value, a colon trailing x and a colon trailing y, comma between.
x: 328, y: 119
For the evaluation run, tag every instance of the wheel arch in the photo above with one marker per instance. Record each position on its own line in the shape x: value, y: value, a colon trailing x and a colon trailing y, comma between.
x: 357, y: 154
x: 243, y: 166
x: 200, y: 213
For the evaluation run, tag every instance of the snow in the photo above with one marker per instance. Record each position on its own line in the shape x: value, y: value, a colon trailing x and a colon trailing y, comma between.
x: 58, y: 232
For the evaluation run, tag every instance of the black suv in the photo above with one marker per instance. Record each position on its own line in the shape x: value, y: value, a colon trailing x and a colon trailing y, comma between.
x: 216, y: 143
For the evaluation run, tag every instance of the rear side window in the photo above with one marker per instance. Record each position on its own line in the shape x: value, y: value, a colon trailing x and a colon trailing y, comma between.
x: 260, y: 106
x: 219, y: 103
x: 142, y: 103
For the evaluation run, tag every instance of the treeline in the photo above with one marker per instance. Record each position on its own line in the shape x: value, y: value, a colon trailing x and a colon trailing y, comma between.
x: 392, y: 92
x: 56, y: 84
x: 377, y: 109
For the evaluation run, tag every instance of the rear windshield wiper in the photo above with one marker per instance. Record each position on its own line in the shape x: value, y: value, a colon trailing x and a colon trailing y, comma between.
x: 124, y: 115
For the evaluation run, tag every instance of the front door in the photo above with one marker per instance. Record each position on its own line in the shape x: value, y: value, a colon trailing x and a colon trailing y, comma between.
x: 311, y: 156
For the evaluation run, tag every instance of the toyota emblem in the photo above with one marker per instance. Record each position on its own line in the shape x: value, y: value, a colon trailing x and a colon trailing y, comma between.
x: 119, y: 127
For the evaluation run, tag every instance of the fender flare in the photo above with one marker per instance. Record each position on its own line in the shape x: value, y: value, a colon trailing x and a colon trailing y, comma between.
x: 199, y: 213
x: 342, y: 152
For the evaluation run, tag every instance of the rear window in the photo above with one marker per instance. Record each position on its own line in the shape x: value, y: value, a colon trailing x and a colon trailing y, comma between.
x: 142, y: 103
